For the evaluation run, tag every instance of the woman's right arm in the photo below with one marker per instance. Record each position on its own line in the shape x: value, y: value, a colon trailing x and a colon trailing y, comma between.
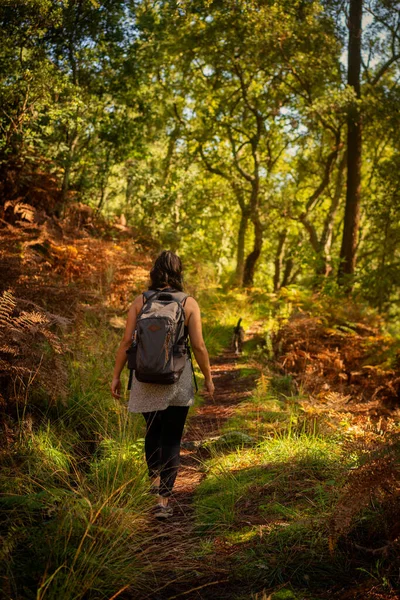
x: 198, y: 345
x: 126, y: 341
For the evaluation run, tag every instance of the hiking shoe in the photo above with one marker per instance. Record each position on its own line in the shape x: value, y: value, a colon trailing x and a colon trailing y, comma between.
x: 163, y: 512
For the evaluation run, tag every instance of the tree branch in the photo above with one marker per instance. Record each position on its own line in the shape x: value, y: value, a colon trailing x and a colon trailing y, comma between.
x: 210, y: 168
x: 385, y: 68
x: 242, y: 171
x: 325, y: 180
x: 312, y: 233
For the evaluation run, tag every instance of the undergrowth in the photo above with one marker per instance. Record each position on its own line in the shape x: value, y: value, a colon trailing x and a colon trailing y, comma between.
x: 278, y: 502
x: 74, y: 502
x: 309, y: 506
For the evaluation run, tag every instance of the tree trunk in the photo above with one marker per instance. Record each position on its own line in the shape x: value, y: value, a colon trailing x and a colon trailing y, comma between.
x: 280, y: 253
x: 168, y: 158
x: 104, y: 179
x: 252, y: 258
x: 244, y: 221
x: 353, y: 192
x: 128, y: 190
x: 102, y: 194
x: 327, y: 233
x: 72, y: 141
x: 287, y: 279
x: 65, y: 186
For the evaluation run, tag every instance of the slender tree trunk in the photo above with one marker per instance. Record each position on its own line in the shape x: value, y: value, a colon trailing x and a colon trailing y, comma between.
x: 128, y: 189
x: 69, y: 160
x: 168, y: 158
x: 383, y: 290
x: 280, y: 253
x: 287, y: 279
x: 72, y: 141
x: 65, y: 185
x: 246, y: 211
x: 244, y: 221
x: 327, y: 233
x: 353, y: 192
x: 102, y: 194
x: 252, y: 258
x: 104, y: 180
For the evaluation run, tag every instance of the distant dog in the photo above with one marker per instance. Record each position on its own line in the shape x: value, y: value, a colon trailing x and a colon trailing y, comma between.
x: 238, y: 338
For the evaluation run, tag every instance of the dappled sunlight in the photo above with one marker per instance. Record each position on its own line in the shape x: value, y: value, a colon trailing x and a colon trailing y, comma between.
x: 259, y: 141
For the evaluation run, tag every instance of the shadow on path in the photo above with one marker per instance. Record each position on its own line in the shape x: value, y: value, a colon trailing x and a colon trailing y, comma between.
x: 184, y: 575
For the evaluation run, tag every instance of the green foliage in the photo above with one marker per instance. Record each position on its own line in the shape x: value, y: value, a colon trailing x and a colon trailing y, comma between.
x: 272, y: 506
x: 68, y: 543
x: 74, y: 502
x: 119, y: 463
x: 379, y: 261
x: 217, y: 130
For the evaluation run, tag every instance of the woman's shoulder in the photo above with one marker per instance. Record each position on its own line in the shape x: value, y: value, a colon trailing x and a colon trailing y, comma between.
x: 191, y: 304
x: 137, y: 303
x: 190, y: 299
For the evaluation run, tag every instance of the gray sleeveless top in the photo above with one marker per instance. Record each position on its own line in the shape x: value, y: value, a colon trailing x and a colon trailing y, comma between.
x: 146, y: 397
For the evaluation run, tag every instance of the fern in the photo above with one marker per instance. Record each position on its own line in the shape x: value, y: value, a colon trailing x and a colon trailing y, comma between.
x: 30, y: 351
x: 378, y: 479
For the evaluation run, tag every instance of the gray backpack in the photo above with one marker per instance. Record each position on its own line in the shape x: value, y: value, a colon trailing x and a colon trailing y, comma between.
x: 160, y: 346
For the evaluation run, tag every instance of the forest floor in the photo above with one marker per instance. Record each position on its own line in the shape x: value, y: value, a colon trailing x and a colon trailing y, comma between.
x: 208, y: 556
x: 205, y: 423
x: 263, y: 507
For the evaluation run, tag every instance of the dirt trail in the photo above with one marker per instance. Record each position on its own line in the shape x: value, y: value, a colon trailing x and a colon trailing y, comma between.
x: 188, y: 575
x: 207, y: 422
x: 204, y: 421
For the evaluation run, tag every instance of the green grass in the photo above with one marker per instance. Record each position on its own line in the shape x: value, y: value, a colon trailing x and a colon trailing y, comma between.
x: 284, y: 594
x: 68, y: 543
x: 75, y: 489
x: 245, y: 372
x: 271, y: 409
x: 256, y: 420
x: 288, y: 484
x: 272, y: 501
x: 74, y: 510
x: 73, y: 515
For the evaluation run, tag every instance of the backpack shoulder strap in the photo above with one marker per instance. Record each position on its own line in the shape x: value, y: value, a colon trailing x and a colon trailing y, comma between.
x: 148, y: 294
x: 180, y: 297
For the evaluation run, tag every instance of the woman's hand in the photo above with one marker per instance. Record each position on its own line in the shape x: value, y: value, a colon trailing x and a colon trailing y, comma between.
x: 209, y: 386
x: 116, y: 387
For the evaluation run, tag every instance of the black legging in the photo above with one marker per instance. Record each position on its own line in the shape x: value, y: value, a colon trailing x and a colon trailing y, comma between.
x: 162, y: 444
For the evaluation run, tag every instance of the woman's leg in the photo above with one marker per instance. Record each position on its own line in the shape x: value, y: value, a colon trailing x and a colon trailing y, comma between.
x: 152, y: 442
x: 173, y: 422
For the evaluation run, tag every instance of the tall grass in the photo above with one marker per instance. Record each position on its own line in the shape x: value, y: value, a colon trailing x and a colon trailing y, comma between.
x: 272, y: 500
x: 269, y: 507
x: 74, y: 502
x: 272, y: 505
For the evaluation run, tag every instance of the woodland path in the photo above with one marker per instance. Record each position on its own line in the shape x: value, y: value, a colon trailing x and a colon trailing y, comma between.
x: 186, y: 574
x: 190, y: 578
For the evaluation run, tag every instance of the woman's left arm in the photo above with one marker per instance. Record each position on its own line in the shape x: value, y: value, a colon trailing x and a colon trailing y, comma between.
x: 126, y: 341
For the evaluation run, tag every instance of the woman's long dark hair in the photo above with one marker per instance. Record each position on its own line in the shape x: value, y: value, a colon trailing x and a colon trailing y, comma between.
x: 167, y: 271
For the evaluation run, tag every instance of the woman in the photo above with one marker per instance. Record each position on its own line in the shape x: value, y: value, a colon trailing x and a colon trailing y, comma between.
x: 164, y: 407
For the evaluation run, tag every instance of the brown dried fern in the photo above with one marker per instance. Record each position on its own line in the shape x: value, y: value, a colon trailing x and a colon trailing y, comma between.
x: 376, y: 480
x: 29, y: 351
